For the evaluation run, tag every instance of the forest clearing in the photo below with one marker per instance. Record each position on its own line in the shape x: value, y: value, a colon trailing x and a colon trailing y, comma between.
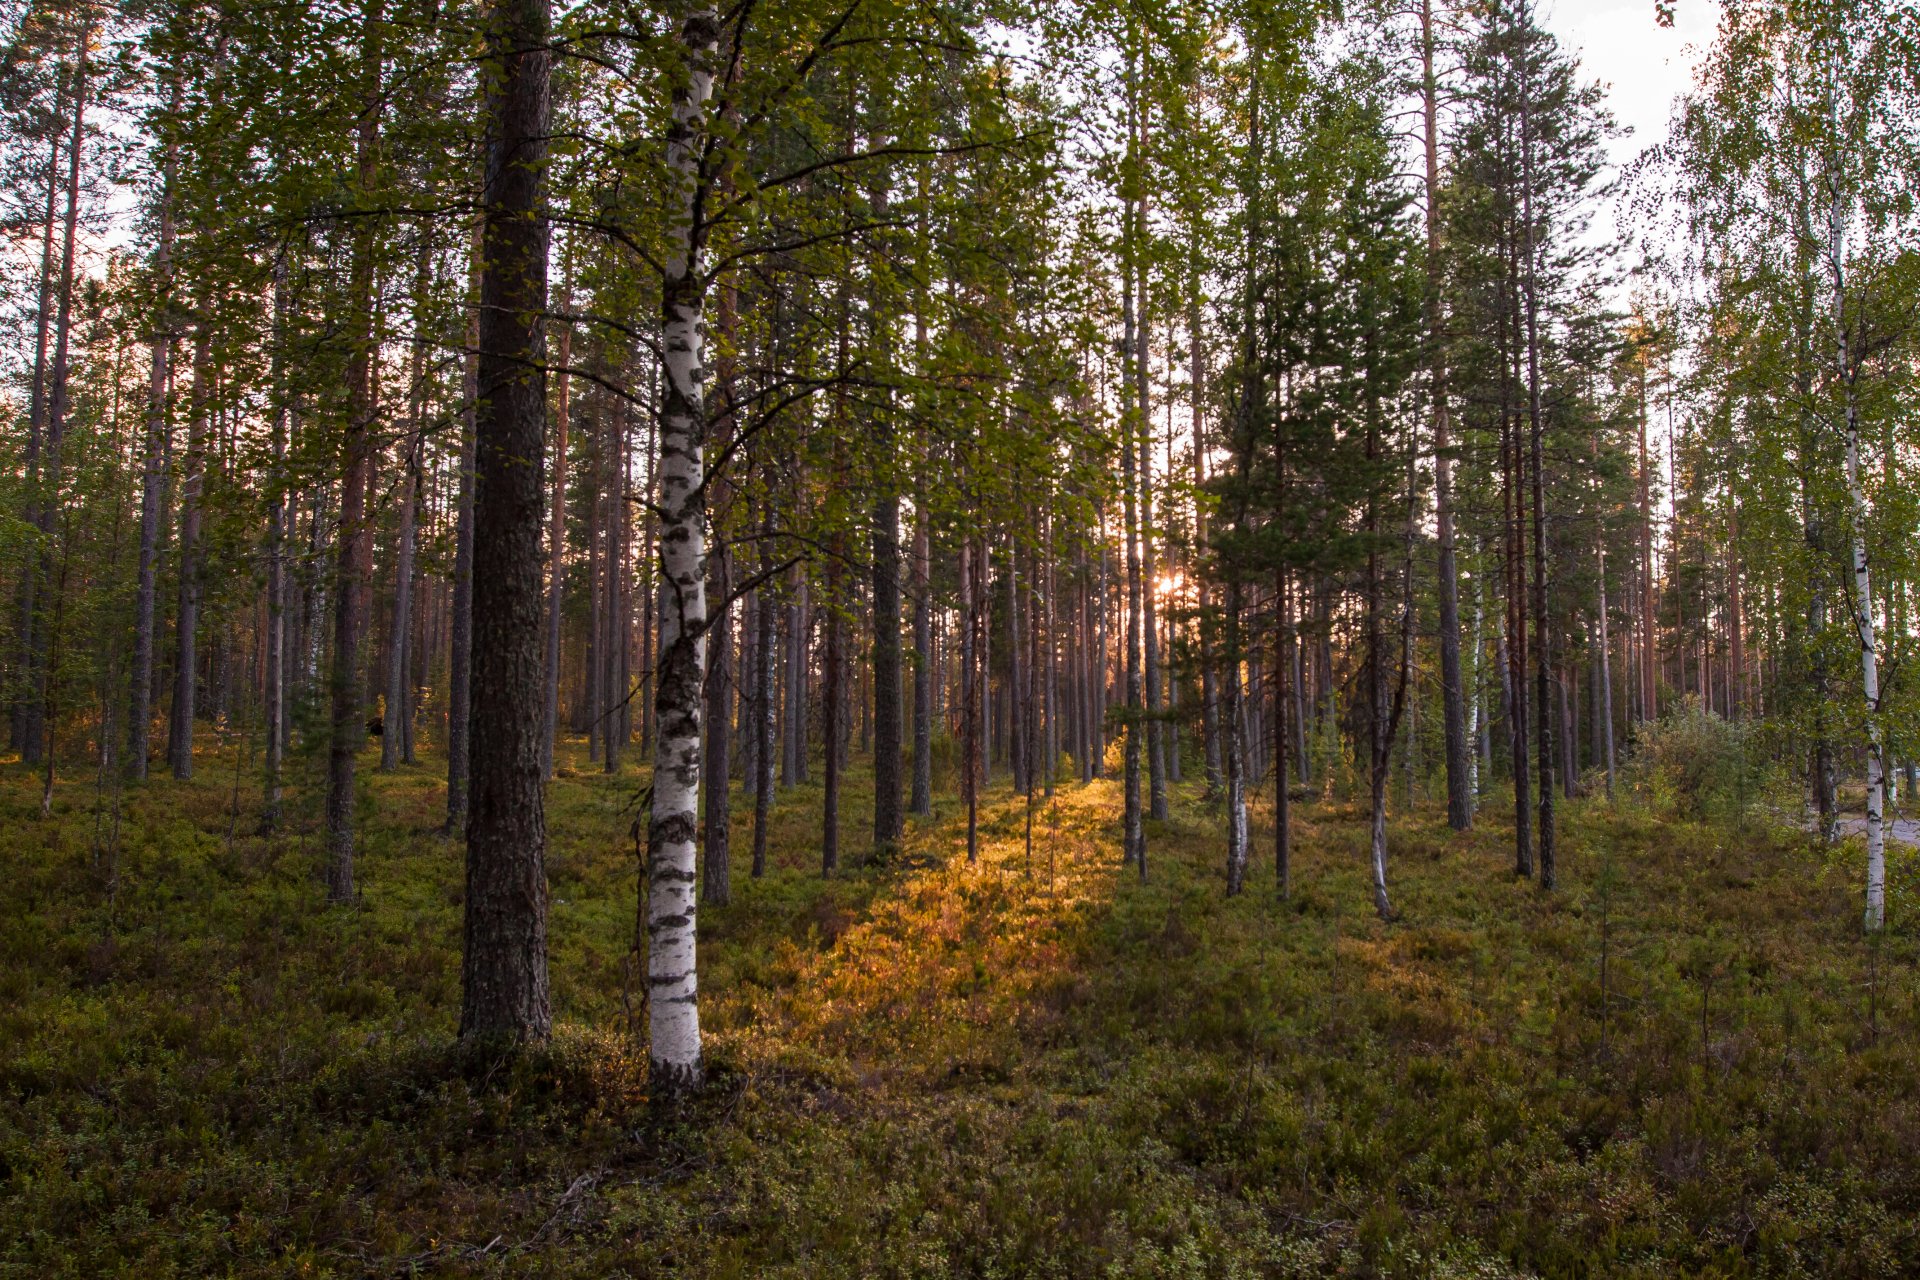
x: 959, y: 638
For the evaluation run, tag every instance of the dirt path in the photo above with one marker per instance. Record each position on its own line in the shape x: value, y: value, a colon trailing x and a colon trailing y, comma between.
x: 1902, y: 830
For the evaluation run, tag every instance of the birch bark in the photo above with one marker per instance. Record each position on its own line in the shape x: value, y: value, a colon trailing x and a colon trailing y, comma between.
x: 672, y: 983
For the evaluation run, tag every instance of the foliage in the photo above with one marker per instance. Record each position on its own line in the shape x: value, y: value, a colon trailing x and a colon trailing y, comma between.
x: 1698, y: 766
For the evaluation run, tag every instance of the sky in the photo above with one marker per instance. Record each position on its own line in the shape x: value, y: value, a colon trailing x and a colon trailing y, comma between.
x: 1644, y: 65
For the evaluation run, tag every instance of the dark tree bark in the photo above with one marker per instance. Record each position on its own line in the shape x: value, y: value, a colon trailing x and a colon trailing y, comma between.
x: 922, y: 667
x: 153, y: 471
x: 396, y: 743
x: 764, y: 651
x: 835, y: 700
x: 716, y: 871
x: 23, y: 709
x: 30, y: 720
x: 274, y: 695
x: 186, y: 664
x: 354, y: 552
x: 556, y: 546
x: 504, y: 957
x: 887, y: 818
x: 1460, y: 797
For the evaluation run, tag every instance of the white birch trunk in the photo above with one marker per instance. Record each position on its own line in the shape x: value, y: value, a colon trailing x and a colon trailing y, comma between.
x: 1862, y: 579
x: 672, y: 983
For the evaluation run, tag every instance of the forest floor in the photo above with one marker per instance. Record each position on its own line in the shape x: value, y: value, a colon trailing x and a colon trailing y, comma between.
x: 1685, y: 1061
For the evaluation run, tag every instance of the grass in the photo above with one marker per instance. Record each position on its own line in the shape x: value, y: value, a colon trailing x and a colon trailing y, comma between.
x: 1025, y: 1068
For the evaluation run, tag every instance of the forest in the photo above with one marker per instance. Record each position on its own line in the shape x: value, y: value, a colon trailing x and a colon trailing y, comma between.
x: 957, y: 638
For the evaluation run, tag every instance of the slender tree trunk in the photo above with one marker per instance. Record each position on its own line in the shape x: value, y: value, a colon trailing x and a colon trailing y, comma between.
x: 763, y: 677
x: 355, y: 538
x: 275, y: 691
x: 37, y: 728
x: 888, y: 822
x: 716, y: 868
x: 186, y: 663
x: 1237, y: 851
x: 557, y: 538
x: 1863, y: 617
x: 1282, y: 780
x: 460, y: 626
x: 1460, y: 792
x: 970, y: 696
x: 1649, y: 657
x: 23, y: 709
x: 1133, y: 834
x: 396, y: 742
x: 923, y: 665
x: 1543, y: 648
x: 1209, y: 690
x: 153, y: 472
x: 32, y: 717
x: 1603, y: 706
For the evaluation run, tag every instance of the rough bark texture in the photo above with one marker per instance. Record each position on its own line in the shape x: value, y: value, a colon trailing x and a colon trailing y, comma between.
x: 153, y: 477
x: 765, y: 706
x: 556, y: 552
x: 504, y: 957
x: 274, y: 694
x: 460, y: 625
x: 354, y: 550
x: 1460, y: 798
x: 396, y: 743
x: 186, y: 664
x: 716, y: 868
x: 922, y: 802
x: 887, y: 818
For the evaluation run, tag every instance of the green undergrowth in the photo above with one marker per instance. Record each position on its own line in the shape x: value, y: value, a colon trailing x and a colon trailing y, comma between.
x: 1684, y: 1061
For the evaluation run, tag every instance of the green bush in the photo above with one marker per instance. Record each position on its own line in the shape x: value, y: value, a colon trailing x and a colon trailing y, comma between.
x: 1693, y: 764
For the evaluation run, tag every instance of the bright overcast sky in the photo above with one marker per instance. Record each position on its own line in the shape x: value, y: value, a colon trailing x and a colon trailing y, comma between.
x: 1643, y: 64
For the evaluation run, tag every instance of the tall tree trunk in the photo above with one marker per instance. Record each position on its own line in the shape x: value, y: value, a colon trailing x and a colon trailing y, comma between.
x: 764, y: 652
x: 1543, y: 645
x: 460, y: 626
x: 716, y: 868
x: 970, y: 695
x: 354, y: 553
x: 717, y: 840
x: 396, y: 741
x: 504, y: 959
x: 1649, y: 657
x: 275, y: 691
x: 888, y: 822
x: 1237, y: 851
x: 1603, y: 706
x: 1133, y: 834
x: 153, y: 471
x: 1209, y: 690
x: 1863, y: 619
x: 557, y: 538
x: 834, y: 696
x: 23, y: 710
x: 30, y: 718
x: 672, y: 980
x: 1460, y: 795
x: 922, y: 802
x: 35, y: 726
x: 186, y: 663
